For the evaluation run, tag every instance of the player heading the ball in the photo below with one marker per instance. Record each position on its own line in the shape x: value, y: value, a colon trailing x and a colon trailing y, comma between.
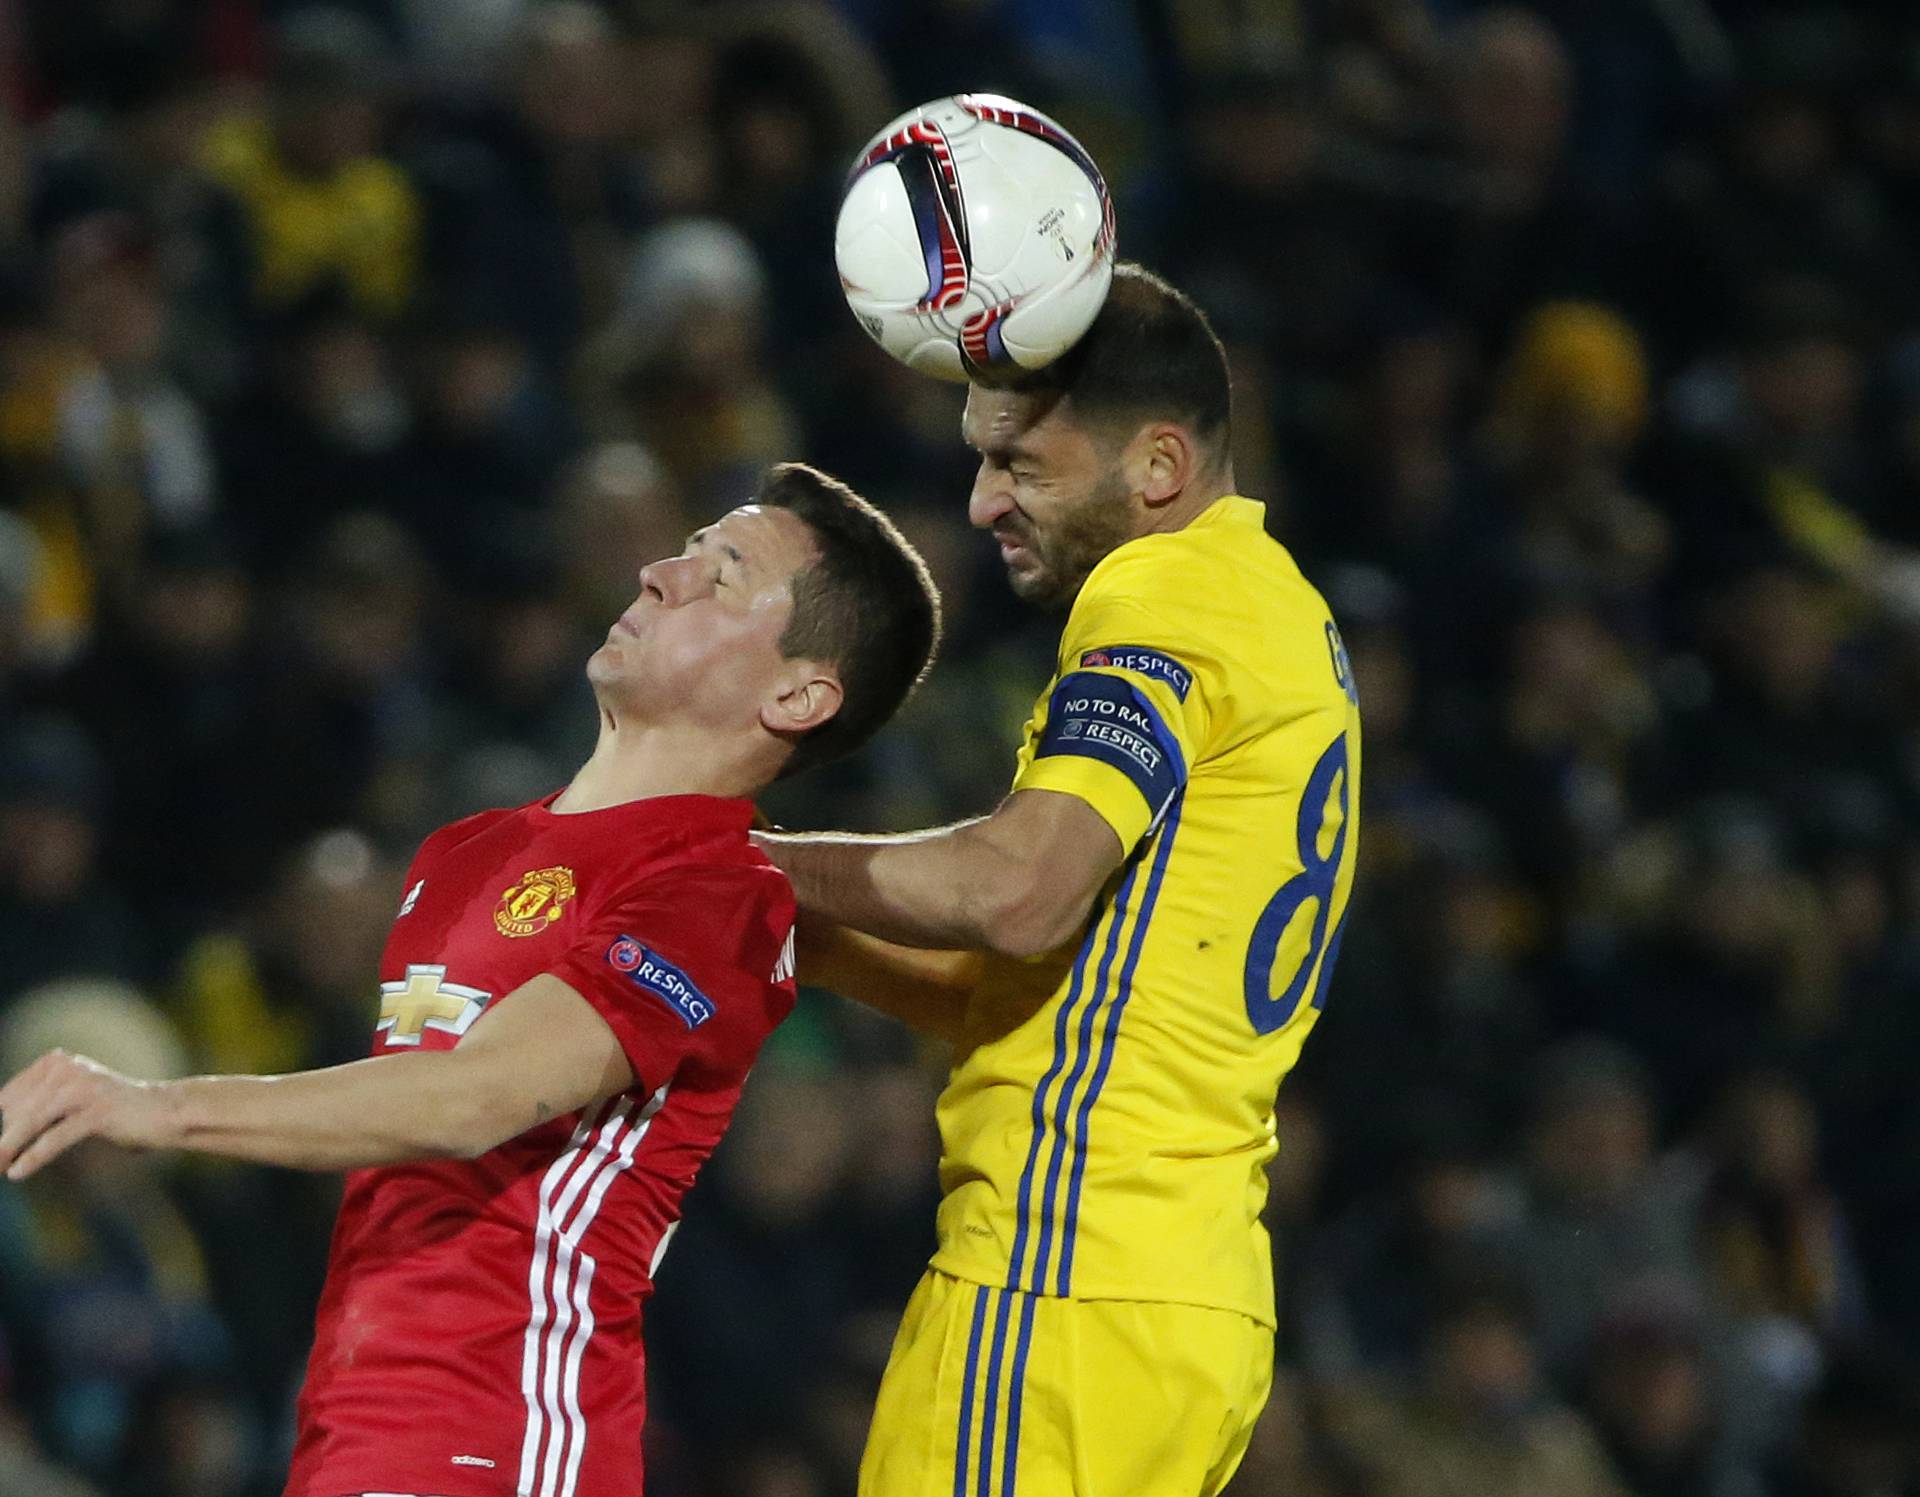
x: 1137, y: 942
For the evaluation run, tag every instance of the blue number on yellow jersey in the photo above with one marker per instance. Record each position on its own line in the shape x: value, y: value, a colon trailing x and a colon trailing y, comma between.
x: 1109, y: 1117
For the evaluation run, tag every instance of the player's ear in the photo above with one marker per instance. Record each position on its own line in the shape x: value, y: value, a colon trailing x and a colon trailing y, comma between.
x: 1160, y: 462
x: 810, y: 694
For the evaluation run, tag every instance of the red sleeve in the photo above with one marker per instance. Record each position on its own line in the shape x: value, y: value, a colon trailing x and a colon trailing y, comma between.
x: 689, y: 966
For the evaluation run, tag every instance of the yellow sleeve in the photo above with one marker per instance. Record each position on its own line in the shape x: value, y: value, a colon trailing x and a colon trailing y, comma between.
x: 1127, y: 715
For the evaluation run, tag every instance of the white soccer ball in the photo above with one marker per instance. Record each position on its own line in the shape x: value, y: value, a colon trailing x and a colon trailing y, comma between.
x: 975, y: 236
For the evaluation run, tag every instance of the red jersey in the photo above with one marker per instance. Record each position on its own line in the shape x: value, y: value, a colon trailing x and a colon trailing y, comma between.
x: 479, y: 1333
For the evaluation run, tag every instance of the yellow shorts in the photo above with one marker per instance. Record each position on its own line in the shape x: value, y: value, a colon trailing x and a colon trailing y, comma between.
x: 997, y: 1393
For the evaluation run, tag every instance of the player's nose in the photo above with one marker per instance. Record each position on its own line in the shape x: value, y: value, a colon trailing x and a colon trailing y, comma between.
x: 667, y: 580
x: 992, y: 497
x: 653, y: 582
x: 679, y: 579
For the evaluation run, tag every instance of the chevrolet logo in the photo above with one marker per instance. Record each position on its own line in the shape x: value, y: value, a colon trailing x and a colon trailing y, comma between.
x: 425, y: 999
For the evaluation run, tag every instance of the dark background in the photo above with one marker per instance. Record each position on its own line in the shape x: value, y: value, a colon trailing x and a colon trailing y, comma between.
x: 352, y: 361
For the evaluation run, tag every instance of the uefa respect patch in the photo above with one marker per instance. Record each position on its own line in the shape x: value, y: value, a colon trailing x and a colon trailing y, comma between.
x: 653, y: 973
x: 1143, y: 662
x: 1102, y: 717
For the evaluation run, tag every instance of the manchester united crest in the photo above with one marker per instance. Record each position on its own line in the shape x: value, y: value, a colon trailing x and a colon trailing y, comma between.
x: 535, y: 902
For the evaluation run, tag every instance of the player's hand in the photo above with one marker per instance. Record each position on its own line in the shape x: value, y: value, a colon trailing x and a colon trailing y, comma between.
x: 762, y: 823
x: 62, y: 1099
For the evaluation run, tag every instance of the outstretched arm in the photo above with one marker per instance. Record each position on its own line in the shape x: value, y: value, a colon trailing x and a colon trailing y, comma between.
x: 1019, y: 882
x: 539, y: 1053
x: 926, y: 990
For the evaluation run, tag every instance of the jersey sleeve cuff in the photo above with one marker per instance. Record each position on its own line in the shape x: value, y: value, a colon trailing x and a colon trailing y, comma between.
x: 1109, y: 791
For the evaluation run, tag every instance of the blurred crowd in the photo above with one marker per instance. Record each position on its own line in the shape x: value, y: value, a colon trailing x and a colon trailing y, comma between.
x: 352, y: 359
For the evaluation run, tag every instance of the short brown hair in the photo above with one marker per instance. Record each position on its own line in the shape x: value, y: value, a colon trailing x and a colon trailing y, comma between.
x: 1150, y: 355
x: 867, y: 606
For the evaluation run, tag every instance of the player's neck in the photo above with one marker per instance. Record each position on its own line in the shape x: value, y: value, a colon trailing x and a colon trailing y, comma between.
x: 637, y: 761
x: 1182, y: 511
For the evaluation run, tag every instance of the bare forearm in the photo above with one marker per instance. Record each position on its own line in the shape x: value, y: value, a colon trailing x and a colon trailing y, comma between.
x: 927, y: 990
x: 385, y: 1110
x: 1019, y: 882
x: 538, y: 1053
x: 935, y: 890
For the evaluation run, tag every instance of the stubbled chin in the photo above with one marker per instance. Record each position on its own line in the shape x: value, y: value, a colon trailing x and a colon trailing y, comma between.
x: 1033, y: 590
x: 1038, y: 586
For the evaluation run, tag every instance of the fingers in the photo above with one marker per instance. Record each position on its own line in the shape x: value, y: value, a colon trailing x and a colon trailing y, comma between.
x: 23, y: 1102
x: 49, y: 1145
x: 45, y: 1097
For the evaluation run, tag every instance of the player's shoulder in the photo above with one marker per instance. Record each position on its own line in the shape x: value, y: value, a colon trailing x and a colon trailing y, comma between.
x: 1216, y: 582
x: 1224, y: 556
x: 455, y: 833
x: 1220, y: 602
x: 734, y: 913
x: 726, y: 883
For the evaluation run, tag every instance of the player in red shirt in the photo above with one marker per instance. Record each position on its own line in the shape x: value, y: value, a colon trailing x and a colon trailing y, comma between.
x: 570, y: 1000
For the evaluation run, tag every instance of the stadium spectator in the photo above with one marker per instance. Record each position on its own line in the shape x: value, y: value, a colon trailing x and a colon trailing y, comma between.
x: 53, y: 805
x: 322, y: 203
x: 322, y: 432
x: 1775, y: 1243
x: 1479, y: 1419
x: 1510, y: 230
x: 1379, y: 1272
x: 530, y: 193
x: 1651, y: 1395
x: 682, y: 368
x: 1596, y: 1217
x: 108, y: 448
x: 1569, y: 406
x: 1771, y: 193
x: 493, y: 430
x: 165, y: 688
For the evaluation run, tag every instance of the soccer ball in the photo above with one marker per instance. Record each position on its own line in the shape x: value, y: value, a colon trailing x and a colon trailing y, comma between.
x: 975, y: 237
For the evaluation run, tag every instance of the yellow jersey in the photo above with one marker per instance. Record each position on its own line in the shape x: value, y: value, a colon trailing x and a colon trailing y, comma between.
x: 363, y: 223
x: 1109, y: 1117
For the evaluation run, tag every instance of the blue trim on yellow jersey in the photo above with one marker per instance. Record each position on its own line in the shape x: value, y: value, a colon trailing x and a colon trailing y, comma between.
x: 1106, y: 718
x: 1173, y: 748
x: 1064, y: 1282
x: 1082, y: 1058
x: 1074, y: 1045
x: 1016, y: 1385
x: 965, y: 1436
x: 1017, y: 1259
